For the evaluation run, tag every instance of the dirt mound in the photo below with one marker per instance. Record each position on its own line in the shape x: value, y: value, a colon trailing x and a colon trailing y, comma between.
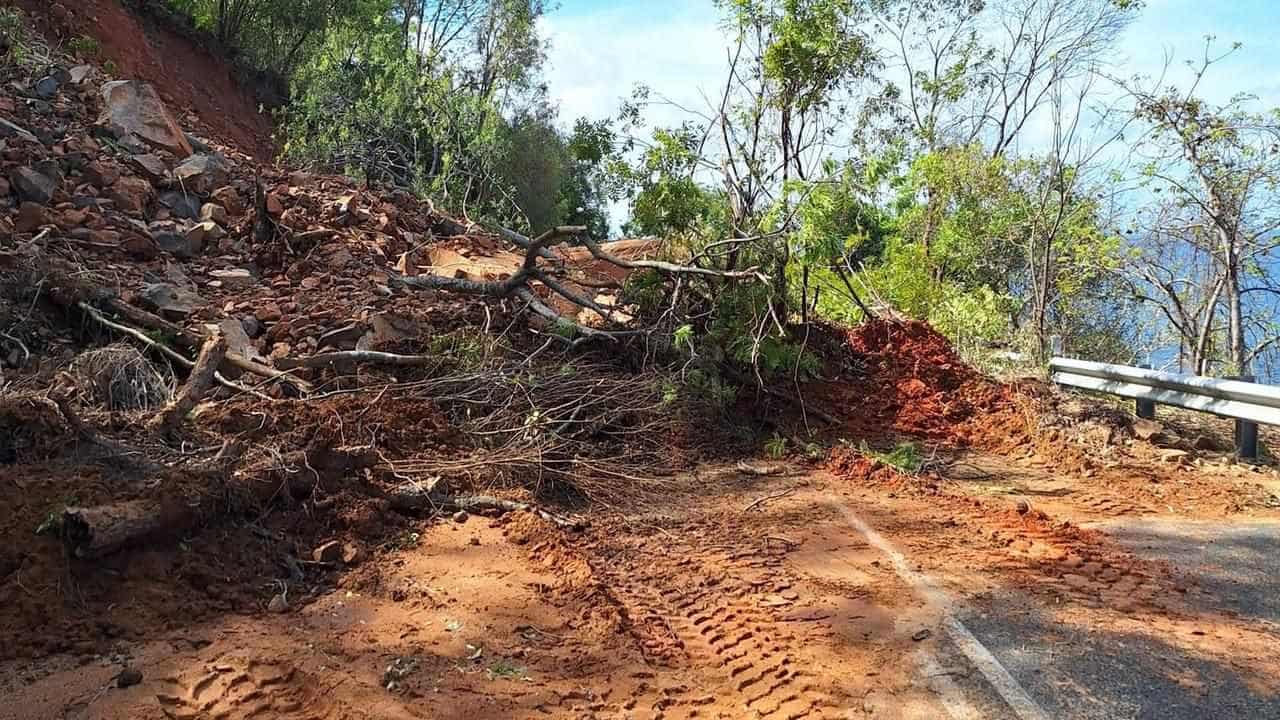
x: 911, y: 381
x: 194, y: 81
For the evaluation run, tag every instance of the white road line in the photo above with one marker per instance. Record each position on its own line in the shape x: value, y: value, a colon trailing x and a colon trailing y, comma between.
x: 952, y: 696
x: 1001, y: 681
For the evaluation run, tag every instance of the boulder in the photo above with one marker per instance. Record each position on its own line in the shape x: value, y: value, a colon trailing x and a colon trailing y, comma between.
x: 34, y: 186
x: 181, y: 204
x: 131, y: 195
x: 133, y: 108
x: 202, y: 174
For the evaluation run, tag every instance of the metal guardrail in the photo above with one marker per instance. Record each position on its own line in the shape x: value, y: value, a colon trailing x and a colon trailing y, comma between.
x: 1248, y: 403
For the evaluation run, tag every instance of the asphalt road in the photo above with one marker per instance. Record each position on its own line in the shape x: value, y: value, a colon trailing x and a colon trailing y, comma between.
x: 1080, y: 672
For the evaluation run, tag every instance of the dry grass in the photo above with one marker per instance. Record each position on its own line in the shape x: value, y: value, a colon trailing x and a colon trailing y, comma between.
x: 120, y: 377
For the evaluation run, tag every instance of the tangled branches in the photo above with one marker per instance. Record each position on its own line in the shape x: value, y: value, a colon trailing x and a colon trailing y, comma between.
x: 608, y: 435
x: 554, y: 279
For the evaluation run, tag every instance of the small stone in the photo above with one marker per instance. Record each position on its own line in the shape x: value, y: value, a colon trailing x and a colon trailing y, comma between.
x: 202, y: 174
x: 214, y: 212
x: 79, y: 73
x: 922, y: 635
x: 330, y: 552
x: 1023, y: 507
x: 69, y: 219
x: 460, y: 516
x: 250, y: 325
x: 181, y: 204
x: 204, y: 232
x: 268, y: 312
x: 32, y: 185
x: 128, y: 677
x: 150, y: 166
x: 170, y: 301
x: 1204, y: 442
x: 30, y: 218
x: 46, y: 87
x: 130, y: 195
x: 234, y: 279
x: 343, y: 338
x: 229, y: 199
x: 351, y: 554
x: 180, y: 245
x: 99, y: 174
x: 1077, y: 582
x: 1144, y: 429
x: 279, y: 604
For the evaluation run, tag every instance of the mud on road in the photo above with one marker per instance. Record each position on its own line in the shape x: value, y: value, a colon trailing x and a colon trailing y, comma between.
x: 777, y: 612
x: 745, y: 594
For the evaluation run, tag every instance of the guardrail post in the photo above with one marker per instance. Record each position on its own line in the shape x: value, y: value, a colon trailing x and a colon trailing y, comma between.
x: 1055, y: 346
x: 1246, y: 431
x: 1145, y: 409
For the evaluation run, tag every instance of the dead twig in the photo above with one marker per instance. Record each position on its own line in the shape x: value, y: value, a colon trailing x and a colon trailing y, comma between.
x: 761, y: 501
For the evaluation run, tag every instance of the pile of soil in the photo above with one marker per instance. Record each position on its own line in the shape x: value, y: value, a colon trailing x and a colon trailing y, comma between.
x: 911, y: 382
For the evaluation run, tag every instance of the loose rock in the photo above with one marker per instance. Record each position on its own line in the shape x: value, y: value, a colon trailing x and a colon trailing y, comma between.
x: 133, y: 108
x: 30, y: 218
x: 131, y: 195
x: 32, y: 185
x: 182, y: 205
x: 201, y: 174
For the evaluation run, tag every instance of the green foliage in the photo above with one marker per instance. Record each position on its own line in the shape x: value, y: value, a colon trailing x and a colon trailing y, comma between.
x: 776, y: 447
x: 84, y: 46
x: 467, y: 348
x: 904, y: 457
x: 24, y: 47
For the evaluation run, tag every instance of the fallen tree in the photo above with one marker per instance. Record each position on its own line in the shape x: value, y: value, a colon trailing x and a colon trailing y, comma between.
x: 556, y: 280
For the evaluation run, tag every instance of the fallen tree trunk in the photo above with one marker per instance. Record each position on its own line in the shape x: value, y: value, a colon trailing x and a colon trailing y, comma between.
x: 93, y: 532
x: 418, y: 497
x: 97, y: 531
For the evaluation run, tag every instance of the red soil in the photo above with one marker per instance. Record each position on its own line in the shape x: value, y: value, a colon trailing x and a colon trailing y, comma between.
x: 191, y: 79
x: 912, y: 382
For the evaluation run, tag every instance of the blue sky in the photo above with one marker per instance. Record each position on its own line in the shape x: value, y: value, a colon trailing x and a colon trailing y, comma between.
x: 600, y: 49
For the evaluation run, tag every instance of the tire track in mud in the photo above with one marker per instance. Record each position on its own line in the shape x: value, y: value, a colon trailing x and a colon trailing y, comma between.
x: 746, y: 661
x: 234, y: 687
